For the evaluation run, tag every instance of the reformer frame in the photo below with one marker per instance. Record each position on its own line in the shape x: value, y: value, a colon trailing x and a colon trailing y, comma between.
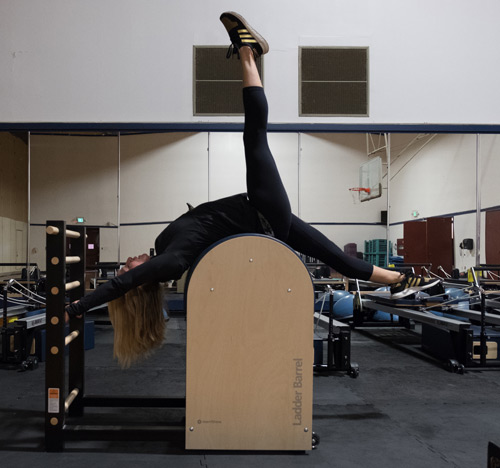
x: 338, y: 340
x: 471, y: 351
x: 57, y: 405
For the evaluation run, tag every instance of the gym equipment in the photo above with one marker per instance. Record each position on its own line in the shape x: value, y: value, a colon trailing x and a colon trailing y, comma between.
x: 58, y: 406
x: 343, y: 307
x: 337, y: 339
x: 18, y: 336
x: 247, y: 386
x: 450, y: 331
x: 323, y: 298
x: 55, y: 369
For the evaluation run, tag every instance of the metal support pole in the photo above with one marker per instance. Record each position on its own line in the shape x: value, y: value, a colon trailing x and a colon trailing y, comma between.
x: 478, y: 201
x: 331, y: 337
x: 388, y: 224
x: 28, y: 227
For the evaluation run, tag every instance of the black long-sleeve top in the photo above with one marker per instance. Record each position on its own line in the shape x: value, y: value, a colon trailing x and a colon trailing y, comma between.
x: 178, y: 246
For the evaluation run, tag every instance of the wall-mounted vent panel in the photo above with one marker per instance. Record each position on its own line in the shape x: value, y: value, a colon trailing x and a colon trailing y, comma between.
x: 333, y: 81
x: 217, y: 82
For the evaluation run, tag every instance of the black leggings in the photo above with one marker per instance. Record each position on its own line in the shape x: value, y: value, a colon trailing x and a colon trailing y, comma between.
x: 268, y: 195
x: 264, y: 186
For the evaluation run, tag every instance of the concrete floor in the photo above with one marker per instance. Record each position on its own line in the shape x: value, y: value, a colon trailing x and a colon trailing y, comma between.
x: 402, y: 411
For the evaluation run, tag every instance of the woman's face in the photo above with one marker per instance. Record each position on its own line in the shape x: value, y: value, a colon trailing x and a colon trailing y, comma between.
x: 132, y: 262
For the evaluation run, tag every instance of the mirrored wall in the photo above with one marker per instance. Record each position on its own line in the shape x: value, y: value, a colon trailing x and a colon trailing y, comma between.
x: 126, y: 188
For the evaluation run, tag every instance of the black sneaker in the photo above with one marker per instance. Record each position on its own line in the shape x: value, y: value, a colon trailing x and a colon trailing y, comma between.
x: 242, y: 34
x: 411, y: 284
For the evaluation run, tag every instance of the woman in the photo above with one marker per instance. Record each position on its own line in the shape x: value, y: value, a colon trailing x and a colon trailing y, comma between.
x: 135, y: 307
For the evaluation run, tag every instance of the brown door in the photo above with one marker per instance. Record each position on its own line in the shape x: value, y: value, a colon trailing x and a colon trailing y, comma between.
x: 415, y: 242
x: 492, y: 239
x: 400, y: 244
x: 92, y: 248
x: 440, y: 244
x: 429, y: 241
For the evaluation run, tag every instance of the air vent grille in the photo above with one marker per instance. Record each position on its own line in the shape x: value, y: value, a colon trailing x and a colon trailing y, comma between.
x: 333, y: 81
x: 217, y: 82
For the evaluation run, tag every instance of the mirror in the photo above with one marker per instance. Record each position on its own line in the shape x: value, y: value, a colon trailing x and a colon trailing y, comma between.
x: 77, y: 175
x: 13, y: 202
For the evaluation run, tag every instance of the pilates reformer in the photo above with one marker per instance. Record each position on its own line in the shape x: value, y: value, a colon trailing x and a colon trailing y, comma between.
x: 20, y: 322
x: 460, y: 337
x: 222, y: 411
x: 337, y: 339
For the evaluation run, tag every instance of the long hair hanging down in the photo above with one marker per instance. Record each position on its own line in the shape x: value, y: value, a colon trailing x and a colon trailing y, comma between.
x: 138, y: 322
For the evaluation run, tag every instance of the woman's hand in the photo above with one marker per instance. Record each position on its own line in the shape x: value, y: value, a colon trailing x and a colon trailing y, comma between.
x: 66, y: 315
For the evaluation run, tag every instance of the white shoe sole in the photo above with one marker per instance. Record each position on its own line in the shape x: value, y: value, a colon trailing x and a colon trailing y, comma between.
x: 408, y: 291
x: 262, y: 42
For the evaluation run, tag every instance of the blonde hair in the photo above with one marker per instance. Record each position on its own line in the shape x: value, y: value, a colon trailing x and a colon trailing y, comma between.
x: 138, y: 322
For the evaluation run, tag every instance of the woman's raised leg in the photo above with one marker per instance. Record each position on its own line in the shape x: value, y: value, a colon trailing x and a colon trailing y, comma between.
x: 264, y: 186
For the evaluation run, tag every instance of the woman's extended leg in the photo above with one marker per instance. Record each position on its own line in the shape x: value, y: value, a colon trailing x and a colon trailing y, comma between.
x: 309, y: 241
x: 264, y: 186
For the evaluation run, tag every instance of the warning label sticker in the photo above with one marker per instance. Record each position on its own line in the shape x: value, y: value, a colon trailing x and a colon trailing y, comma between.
x: 53, y: 406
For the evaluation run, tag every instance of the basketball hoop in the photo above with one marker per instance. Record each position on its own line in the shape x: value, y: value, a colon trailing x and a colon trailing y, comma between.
x: 353, y: 190
x: 360, y: 189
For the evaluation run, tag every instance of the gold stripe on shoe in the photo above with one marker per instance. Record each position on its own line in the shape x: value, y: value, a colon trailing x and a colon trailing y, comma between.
x: 230, y: 18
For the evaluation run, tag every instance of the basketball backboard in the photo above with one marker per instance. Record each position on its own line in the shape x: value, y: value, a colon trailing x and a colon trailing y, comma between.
x: 370, y: 177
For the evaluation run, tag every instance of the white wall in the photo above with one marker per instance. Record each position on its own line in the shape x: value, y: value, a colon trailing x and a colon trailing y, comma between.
x: 160, y: 173
x: 13, y: 235
x: 329, y: 166
x: 489, y: 149
x: 436, y: 175
x: 131, y: 60
x: 72, y: 176
x: 465, y: 228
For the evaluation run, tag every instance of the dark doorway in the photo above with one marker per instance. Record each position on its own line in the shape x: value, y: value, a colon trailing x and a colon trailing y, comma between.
x: 415, y: 243
x: 93, y: 248
x: 430, y: 241
x: 492, y: 237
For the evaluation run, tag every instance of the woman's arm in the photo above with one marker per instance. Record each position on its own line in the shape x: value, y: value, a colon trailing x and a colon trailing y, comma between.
x: 153, y: 270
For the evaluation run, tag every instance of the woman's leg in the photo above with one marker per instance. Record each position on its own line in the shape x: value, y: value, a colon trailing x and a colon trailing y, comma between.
x: 309, y: 241
x: 264, y: 186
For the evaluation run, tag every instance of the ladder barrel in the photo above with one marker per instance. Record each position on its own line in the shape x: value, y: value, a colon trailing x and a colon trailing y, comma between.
x: 249, y: 304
